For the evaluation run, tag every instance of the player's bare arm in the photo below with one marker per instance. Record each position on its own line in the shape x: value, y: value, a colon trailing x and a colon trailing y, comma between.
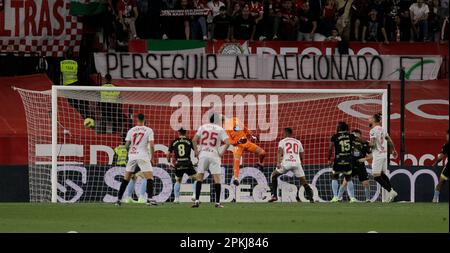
x: 391, y: 146
x: 194, y: 144
x: 169, y: 157
x: 439, y: 158
x: 373, y: 143
x: 151, y: 148
x: 279, y: 157
x: 127, y: 145
x: 227, y: 145
x: 368, y: 157
x: 330, y: 153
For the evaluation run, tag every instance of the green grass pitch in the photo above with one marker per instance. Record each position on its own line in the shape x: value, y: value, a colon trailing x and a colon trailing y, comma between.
x: 240, y: 217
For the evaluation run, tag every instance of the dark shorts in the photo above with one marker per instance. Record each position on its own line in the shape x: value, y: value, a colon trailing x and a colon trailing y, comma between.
x: 344, y: 169
x: 360, y: 172
x: 445, y: 172
x: 182, y: 169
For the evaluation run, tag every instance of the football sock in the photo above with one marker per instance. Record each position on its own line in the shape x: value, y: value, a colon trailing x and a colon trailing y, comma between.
x: 130, y: 188
x: 274, y: 186
x: 217, y: 189
x: 194, y: 187
x: 383, y: 183
x: 122, y: 188
x: 335, y: 187
x: 176, y: 190
x: 236, y: 164
x: 388, y: 181
x: 367, y: 192
x: 436, y: 195
x: 351, y: 189
x: 309, y: 191
x: 150, y: 188
x: 341, y: 192
x: 143, y: 189
x: 198, y: 189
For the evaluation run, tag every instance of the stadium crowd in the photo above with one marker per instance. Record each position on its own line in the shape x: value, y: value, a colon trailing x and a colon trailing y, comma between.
x: 288, y: 20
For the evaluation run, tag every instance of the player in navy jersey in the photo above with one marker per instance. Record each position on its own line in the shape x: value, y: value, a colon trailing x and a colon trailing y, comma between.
x: 181, y: 147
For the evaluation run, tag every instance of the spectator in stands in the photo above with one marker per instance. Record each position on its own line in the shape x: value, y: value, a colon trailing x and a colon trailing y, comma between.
x: 275, y: 14
x: 382, y: 7
x: 236, y: 11
x: 243, y: 27
x: 214, y: 6
x: 334, y: 36
x: 289, y: 21
x: 328, y: 17
x: 257, y: 12
x: 199, y: 27
x: 433, y: 20
x: 343, y: 23
x: 443, y: 14
x: 402, y: 30
x: 178, y: 27
x: 307, y: 24
x: 317, y: 6
x: 419, y: 19
x: 359, y: 14
x: 373, y: 29
x: 128, y: 13
x: 154, y: 26
x: 221, y: 25
x: 142, y: 27
x: 108, y: 21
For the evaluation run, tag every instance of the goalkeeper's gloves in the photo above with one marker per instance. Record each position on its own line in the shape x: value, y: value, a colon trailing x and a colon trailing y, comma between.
x: 241, y: 141
x: 252, y: 137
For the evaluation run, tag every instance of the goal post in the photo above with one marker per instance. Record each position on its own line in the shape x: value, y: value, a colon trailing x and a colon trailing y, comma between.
x: 312, y: 113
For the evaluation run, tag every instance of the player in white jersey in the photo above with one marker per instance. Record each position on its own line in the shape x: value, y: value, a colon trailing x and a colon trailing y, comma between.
x: 290, y: 156
x: 210, y: 137
x: 140, y: 145
x: 381, y: 143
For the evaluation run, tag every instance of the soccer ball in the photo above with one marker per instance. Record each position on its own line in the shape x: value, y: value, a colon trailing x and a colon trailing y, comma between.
x: 89, y: 123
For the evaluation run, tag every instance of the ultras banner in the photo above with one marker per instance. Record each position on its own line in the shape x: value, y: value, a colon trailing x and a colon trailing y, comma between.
x: 266, y: 67
x: 41, y: 26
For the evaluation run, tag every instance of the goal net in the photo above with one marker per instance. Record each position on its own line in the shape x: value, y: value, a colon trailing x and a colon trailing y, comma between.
x: 70, y: 161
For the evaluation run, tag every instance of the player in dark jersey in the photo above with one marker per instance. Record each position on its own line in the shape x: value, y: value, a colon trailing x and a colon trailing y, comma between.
x: 360, y: 154
x: 444, y: 174
x: 342, y: 142
x: 181, y: 147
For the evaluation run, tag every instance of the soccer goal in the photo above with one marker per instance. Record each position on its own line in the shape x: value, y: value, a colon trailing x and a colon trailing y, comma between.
x: 73, y: 132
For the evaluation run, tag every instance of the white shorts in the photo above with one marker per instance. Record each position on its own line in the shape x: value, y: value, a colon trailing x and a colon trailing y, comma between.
x: 209, y: 163
x: 294, y: 167
x: 144, y: 165
x: 379, y: 164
